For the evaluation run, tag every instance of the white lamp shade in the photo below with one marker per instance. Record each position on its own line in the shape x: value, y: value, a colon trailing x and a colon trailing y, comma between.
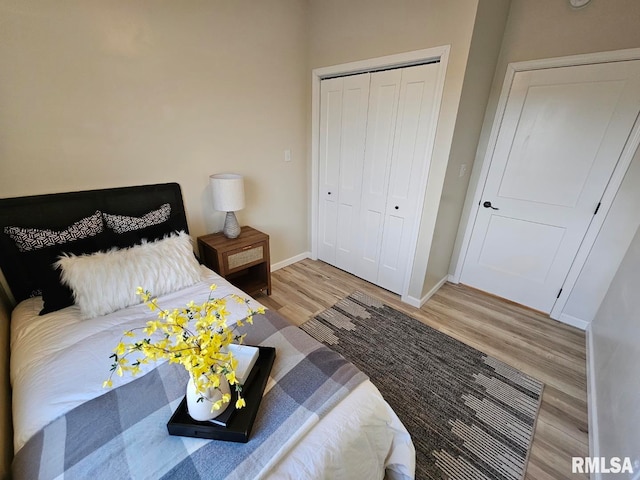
x: 227, y: 191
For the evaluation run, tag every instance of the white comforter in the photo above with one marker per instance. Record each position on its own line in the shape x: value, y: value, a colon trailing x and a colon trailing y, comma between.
x: 59, y: 361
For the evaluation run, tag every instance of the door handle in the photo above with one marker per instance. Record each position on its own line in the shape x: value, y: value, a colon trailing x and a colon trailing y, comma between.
x: 487, y: 204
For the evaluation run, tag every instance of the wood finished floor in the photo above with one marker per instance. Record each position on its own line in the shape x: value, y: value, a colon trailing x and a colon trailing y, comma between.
x: 543, y: 348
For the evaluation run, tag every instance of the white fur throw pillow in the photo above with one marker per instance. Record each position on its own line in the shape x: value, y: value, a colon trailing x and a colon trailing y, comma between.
x: 104, y: 282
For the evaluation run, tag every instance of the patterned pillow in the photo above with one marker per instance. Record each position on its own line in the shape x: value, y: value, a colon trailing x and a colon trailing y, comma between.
x: 29, y: 239
x: 123, y: 223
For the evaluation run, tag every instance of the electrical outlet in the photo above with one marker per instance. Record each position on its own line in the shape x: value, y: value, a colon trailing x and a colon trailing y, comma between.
x: 287, y: 155
x: 463, y: 170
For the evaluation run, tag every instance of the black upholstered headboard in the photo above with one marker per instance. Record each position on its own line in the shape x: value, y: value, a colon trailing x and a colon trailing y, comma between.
x: 57, y: 211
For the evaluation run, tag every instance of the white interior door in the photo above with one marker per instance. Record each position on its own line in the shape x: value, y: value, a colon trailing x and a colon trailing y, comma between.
x: 343, y: 121
x: 561, y: 135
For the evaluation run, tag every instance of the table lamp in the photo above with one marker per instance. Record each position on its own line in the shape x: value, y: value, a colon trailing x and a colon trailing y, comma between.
x: 227, y: 190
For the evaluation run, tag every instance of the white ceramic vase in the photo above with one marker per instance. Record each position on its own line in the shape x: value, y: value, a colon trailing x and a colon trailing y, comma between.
x: 201, y: 410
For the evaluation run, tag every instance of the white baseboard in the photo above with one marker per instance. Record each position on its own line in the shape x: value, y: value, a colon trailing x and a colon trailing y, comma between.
x: 573, y: 321
x: 592, y: 408
x: 452, y: 279
x: 419, y: 302
x: 413, y: 301
x: 289, y: 261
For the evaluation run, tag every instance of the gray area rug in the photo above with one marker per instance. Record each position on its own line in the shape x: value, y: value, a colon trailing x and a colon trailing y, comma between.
x: 470, y: 416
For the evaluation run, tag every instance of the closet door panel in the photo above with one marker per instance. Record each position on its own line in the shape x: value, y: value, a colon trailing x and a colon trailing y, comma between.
x: 354, y: 125
x: 343, y: 119
x: 383, y: 109
x: 409, y: 163
x: 330, y: 138
x: 372, y: 222
x: 391, y: 256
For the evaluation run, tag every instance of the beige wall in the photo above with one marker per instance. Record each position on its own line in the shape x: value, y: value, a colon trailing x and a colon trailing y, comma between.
x: 551, y: 28
x: 100, y: 94
x: 483, y: 55
x: 547, y: 29
x: 614, y: 356
x: 342, y: 32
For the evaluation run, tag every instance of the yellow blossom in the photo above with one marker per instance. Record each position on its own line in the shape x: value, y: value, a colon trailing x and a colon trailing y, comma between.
x: 231, y: 378
x: 120, y: 349
x: 238, y: 299
x: 195, y: 337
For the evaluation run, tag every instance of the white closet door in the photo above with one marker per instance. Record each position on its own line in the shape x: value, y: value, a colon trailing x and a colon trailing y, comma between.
x: 375, y: 130
x: 343, y: 120
x: 410, y: 162
x: 381, y: 126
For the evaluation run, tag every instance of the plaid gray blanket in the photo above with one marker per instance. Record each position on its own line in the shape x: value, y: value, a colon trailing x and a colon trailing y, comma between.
x: 123, y: 433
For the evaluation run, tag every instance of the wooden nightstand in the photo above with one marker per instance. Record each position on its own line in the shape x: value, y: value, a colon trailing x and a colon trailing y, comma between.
x: 243, y: 261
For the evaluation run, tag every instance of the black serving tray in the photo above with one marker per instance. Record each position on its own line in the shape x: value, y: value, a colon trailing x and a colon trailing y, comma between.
x: 239, y: 425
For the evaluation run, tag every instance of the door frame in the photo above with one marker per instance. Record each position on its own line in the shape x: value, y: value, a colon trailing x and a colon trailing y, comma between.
x: 480, y: 173
x: 437, y: 54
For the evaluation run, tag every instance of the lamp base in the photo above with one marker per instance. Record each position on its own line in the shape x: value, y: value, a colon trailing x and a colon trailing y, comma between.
x: 231, y: 227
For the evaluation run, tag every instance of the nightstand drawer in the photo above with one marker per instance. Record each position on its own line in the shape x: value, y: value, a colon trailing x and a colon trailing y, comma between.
x: 245, y: 256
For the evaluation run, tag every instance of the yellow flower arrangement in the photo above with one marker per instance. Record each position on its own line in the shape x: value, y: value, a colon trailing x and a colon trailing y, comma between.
x: 196, y: 337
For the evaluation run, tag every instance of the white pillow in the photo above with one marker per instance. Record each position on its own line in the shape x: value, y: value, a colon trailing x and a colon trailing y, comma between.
x: 104, y: 282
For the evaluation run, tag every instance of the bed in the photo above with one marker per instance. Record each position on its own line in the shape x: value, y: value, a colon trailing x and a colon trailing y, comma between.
x: 319, y: 418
